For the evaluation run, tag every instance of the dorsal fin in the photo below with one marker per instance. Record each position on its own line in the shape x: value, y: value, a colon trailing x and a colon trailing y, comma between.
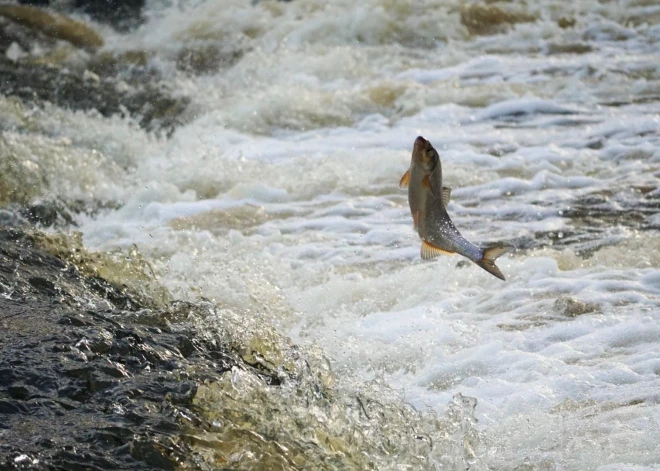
x: 430, y: 251
x: 446, y: 194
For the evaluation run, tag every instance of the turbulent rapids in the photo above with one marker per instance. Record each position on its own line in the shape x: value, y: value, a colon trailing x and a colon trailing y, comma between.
x: 206, y: 261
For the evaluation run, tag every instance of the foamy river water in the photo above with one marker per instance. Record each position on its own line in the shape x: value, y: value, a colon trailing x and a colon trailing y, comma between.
x: 279, y: 199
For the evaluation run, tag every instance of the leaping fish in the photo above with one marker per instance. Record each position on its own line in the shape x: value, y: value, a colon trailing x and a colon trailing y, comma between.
x: 428, y: 201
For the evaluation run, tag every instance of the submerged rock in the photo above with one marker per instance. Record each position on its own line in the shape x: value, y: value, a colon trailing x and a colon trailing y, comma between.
x: 208, y: 58
x: 569, y: 48
x: 570, y: 307
x: 108, y: 64
x: 13, y: 35
x: 566, y: 22
x: 53, y: 25
x: 99, y: 374
x: 36, y: 67
x: 47, y: 214
x: 150, y: 104
x: 486, y: 19
x: 122, y: 14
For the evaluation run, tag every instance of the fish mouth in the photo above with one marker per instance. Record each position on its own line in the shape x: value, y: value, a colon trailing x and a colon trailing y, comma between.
x: 419, y: 151
x: 420, y: 142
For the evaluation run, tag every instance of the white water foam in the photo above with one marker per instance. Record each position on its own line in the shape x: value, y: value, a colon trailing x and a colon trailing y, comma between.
x: 280, y: 199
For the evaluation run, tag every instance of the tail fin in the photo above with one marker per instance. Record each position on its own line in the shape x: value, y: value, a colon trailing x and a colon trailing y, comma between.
x: 488, y: 260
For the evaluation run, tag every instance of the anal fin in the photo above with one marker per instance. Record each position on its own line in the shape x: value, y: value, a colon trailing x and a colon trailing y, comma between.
x: 430, y: 251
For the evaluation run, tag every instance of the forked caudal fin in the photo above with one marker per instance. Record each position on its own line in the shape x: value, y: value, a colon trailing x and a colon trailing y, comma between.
x: 488, y: 260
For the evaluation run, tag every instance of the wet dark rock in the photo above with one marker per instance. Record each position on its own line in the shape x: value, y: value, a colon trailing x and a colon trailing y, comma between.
x: 47, y: 214
x: 566, y: 22
x: 205, y: 59
x: 157, y: 110
x: 569, y: 48
x: 124, y: 15
x: 11, y: 32
x: 18, y: 392
x: 487, y: 19
x: 595, y: 144
x: 35, y: 67
x: 39, y: 3
x: 570, y: 307
x: 53, y: 25
x: 128, y: 65
x: 160, y: 455
x: 43, y: 285
x: 101, y: 372
x: 151, y: 104
x: 85, y: 388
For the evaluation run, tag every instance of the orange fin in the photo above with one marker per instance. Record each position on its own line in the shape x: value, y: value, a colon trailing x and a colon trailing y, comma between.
x: 405, y: 180
x: 430, y: 251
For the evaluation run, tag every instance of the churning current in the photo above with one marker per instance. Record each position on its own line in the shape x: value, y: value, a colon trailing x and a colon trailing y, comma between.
x: 278, y: 197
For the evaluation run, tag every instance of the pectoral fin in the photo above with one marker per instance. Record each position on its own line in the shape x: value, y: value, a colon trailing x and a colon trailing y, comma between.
x: 446, y: 194
x: 430, y: 251
x: 426, y: 183
x: 405, y: 180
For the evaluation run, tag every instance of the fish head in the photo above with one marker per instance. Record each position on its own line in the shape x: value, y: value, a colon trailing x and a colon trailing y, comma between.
x: 424, y: 154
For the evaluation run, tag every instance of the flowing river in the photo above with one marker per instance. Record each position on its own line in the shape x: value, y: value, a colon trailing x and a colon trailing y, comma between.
x: 278, y: 198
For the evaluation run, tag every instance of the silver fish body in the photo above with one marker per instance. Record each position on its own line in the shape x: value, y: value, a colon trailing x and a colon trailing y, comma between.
x: 428, y: 201
x: 439, y: 230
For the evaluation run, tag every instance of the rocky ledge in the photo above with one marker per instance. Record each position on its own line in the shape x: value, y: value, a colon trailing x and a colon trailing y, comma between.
x: 90, y: 378
x: 101, y: 370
